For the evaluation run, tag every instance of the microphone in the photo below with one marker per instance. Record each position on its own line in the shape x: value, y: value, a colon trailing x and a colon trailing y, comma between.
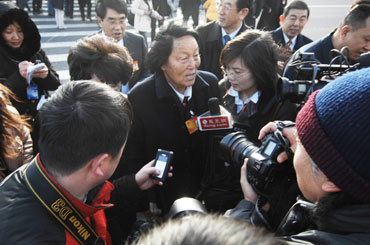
x: 217, y: 118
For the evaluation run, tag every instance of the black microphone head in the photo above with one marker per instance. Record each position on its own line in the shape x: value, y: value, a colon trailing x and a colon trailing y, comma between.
x: 214, y: 106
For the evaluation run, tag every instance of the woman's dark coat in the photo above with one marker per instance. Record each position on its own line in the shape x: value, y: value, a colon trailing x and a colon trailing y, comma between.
x: 159, y: 123
x: 29, y: 51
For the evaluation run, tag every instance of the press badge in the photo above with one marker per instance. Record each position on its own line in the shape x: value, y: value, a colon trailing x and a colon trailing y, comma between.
x: 32, y: 92
x: 135, y: 66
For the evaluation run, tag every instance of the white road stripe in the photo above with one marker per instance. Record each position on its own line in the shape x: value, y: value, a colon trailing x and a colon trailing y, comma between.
x: 58, y: 44
x: 71, y: 25
x: 57, y: 57
x: 67, y: 33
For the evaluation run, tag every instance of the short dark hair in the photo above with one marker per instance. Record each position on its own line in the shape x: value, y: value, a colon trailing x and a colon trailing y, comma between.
x: 208, y: 229
x: 81, y: 120
x: 108, y: 61
x: 241, y: 4
x: 163, y: 44
x: 357, y: 17
x: 102, y: 5
x: 259, y: 54
x: 296, y: 4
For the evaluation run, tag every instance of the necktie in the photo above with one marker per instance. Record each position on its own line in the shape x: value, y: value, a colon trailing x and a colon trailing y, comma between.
x: 185, y: 101
x: 288, y: 44
x: 226, y: 39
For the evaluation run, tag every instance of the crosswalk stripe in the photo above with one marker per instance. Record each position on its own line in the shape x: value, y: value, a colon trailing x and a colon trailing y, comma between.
x: 58, y: 45
x: 71, y: 25
x: 58, y: 57
x: 67, y: 33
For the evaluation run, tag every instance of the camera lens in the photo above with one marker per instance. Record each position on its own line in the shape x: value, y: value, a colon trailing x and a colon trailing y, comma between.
x: 235, y: 147
x: 295, y: 91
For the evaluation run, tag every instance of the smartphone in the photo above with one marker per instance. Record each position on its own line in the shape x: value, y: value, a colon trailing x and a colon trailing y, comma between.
x: 162, y: 164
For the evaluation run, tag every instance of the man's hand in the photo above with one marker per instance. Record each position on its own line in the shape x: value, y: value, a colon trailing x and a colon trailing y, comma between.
x: 289, y: 132
x: 143, y: 176
x: 248, y: 192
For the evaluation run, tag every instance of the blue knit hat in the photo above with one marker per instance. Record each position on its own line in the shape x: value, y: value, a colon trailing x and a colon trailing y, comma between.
x: 334, y: 128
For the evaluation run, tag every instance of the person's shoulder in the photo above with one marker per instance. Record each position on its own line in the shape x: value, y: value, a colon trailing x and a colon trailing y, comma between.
x: 132, y: 35
x: 142, y: 87
x: 207, y: 27
x: 25, y: 215
x: 207, y: 78
x: 305, y: 38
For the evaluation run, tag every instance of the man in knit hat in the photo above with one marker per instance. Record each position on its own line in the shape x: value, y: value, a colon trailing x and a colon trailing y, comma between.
x: 331, y: 142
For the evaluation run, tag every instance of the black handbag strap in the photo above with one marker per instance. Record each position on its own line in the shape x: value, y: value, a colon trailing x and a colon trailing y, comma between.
x: 58, y: 205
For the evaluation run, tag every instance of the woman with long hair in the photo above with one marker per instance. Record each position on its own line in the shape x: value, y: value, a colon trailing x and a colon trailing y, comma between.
x: 15, y: 140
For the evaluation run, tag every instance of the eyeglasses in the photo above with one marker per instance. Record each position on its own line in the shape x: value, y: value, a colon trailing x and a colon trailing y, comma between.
x: 227, y: 8
x: 235, y: 74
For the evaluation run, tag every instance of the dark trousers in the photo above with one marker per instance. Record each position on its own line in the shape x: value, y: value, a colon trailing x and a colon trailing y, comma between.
x: 154, y: 26
x: 68, y: 11
x: 36, y: 6
x: 82, y: 4
x: 194, y: 13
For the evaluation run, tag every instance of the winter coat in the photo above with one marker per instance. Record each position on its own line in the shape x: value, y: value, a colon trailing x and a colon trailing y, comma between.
x: 30, y: 51
x: 143, y: 21
x: 211, y: 12
x: 26, y: 221
x: 159, y: 123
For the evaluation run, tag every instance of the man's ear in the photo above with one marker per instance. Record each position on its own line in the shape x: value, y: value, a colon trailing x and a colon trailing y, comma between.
x: 243, y: 13
x: 99, y: 21
x: 344, y: 31
x: 282, y: 18
x: 97, y: 164
x: 329, y: 186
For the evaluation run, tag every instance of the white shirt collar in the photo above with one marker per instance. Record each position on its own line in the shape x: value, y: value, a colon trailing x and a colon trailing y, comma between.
x: 232, y: 35
x: 109, y: 40
x: 188, y: 92
x: 239, y: 102
x: 294, y: 40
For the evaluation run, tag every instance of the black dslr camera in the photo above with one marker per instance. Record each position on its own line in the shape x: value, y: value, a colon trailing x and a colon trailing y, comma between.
x: 263, y: 171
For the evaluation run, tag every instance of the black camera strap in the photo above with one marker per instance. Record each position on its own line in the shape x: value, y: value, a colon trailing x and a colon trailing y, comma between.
x: 58, y: 205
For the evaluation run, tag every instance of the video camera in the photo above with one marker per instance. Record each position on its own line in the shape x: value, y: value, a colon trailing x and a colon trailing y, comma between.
x: 310, y: 75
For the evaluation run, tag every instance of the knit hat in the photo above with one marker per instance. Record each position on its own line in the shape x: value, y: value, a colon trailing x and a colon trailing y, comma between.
x: 334, y: 128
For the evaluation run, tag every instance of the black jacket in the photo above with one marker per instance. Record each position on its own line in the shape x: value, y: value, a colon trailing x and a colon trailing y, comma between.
x: 210, y: 46
x: 24, y: 220
x: 30, y: 51
x: 159, y: 123
x: 267, y: 110
x: 346, y: 225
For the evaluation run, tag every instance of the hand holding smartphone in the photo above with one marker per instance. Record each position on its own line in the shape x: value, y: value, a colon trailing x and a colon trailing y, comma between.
x: 162, y: 164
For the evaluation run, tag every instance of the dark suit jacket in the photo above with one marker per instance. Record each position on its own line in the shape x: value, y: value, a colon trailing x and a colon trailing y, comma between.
x: 138, y: 49
x: 159, y: 123
x: 278, y: 37
x: 210, y: 46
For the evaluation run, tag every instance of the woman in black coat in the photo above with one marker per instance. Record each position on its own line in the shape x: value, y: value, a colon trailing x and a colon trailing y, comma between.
x: 20, y: 49
x: 162, y: 104
x: 249, y: 88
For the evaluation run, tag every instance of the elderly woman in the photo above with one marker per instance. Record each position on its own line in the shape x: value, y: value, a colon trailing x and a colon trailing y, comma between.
x: 249, y: 89
x: 20, y: 49
x: 163, y: 104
